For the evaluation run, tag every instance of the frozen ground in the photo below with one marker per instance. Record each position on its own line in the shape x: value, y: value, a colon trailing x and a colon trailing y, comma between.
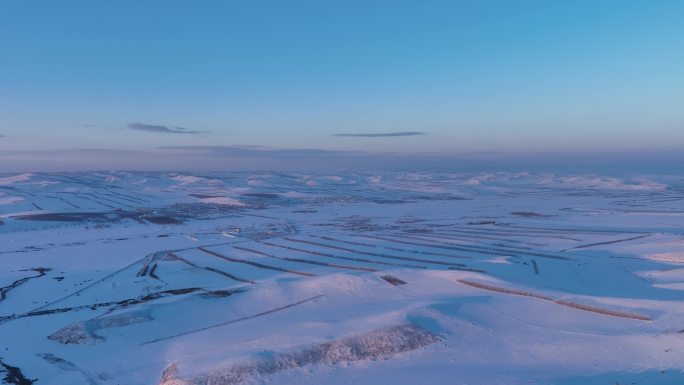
x: 374, y: 278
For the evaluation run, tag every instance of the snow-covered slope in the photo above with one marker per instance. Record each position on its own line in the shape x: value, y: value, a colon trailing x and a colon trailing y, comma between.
x: 370, y: 278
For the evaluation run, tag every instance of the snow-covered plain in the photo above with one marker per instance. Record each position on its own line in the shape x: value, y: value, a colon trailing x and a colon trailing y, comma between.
x: 359, y: 278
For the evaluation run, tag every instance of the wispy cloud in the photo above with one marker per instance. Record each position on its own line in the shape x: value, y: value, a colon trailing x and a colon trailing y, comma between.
x: 163, y: 129
x: 253, y: 151
x: 383, y: 134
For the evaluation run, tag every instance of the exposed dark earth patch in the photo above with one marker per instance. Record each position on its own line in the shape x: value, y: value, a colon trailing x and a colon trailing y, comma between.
x: 529, y: 214
x: 41, y: 272
x: 170, y: 215
x: 162, y: 220
x: 393, y: 280
x: 204, y: 196
x: 208, y: 268
x: 114, y: 304
x: 13, y: 375
x: 252, y: 263
x: 65, y: 217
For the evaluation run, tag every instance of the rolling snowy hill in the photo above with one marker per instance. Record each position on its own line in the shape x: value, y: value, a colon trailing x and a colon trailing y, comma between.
x: 359, y: 278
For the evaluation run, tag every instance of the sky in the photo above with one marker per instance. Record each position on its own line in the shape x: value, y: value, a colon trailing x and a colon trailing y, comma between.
x: 185, y: 84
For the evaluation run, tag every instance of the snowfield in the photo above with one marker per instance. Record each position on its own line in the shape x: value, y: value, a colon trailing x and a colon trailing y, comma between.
x: 359, y: 278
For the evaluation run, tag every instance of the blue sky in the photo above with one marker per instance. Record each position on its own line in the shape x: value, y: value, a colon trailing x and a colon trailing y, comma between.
x: 480, y: 76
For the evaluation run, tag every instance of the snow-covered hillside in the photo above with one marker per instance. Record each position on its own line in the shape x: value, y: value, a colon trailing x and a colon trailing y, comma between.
x: 361, y: 278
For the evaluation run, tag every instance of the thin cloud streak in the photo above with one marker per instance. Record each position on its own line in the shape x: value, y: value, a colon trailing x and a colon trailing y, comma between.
x: 162, y: 129
x: 253, y: 151
x: 383, y: 134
